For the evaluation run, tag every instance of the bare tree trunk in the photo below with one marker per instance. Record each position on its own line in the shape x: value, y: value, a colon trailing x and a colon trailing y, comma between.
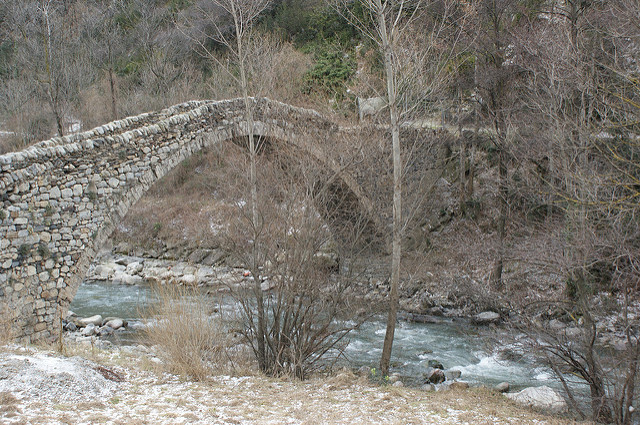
x: 396, y: 243
x: 496, y: 275
x: 463, y: 157
x: 112, y: 83
x: 248, y: 110
x: 52, y: 94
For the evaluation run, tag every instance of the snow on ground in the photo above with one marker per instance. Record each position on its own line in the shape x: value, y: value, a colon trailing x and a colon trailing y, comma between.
x: 38, y: 387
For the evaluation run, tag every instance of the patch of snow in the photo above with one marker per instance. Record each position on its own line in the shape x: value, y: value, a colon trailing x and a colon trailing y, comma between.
x: 53, y: 378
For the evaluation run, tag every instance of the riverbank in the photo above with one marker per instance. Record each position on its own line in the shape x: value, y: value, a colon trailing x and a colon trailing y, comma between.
x: 122, y: 386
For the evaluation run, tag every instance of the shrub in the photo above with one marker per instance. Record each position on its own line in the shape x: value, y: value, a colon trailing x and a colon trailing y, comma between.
x: 192, y: 340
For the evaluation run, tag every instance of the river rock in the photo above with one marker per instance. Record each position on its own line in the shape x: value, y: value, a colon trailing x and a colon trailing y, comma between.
x: 89, y: 330
x: 435, y: 364
x: 134, y: 268
x: 543, y: 398
x: 428, y: 387
x: 93, y: 320
x: 398, y: 384
x: 486, y: 318
x: 502, y: 387
x: 457, y: 385
x: 114, y: 322
x: 434, y: 376
x: 105, y: 330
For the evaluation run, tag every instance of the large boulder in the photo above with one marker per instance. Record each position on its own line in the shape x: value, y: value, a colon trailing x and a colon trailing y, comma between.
x: 543, y: 398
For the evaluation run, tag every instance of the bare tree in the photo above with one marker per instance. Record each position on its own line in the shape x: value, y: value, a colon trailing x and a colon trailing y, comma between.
x: 307, y: 302
x: 232, y: 22
x: 50, y: 41
x: 583, y: 91
x: 408, y: 57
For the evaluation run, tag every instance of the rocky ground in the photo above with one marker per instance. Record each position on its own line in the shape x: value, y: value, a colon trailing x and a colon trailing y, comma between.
x: 126, y: 385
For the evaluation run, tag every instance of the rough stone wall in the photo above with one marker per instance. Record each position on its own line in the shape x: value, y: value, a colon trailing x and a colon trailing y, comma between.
x: 61, y: 199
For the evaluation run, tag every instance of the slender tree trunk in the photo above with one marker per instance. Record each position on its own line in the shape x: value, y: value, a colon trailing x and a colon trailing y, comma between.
x: 261, y: 330
x: 112, y: 84
x: 496, y: 275
x: 52, y: 94
x: 397, y: 193
x: 471, y: 176
x: 463, y: 158
x: 112, y: 88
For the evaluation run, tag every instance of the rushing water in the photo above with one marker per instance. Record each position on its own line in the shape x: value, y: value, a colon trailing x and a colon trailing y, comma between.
x: 456, y: 345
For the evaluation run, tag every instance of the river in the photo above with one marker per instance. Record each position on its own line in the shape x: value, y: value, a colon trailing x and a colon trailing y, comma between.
x: 456, y: 344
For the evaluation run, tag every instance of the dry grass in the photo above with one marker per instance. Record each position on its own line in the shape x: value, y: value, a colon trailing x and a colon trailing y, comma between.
x: 191, y: 340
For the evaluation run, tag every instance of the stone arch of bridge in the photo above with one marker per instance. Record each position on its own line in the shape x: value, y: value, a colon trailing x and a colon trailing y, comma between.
x: 61, y: 199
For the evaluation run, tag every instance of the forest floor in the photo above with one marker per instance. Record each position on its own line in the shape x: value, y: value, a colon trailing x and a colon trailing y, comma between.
x: 123, y: 386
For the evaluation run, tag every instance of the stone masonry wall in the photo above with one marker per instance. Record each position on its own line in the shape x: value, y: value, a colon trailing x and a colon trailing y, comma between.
x: 61, y: 199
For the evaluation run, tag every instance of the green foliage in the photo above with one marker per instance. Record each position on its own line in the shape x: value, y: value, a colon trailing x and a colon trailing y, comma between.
x: 48, y: 210
x: 331, y: 72
x: 3, y: 215
x: 311, y: 23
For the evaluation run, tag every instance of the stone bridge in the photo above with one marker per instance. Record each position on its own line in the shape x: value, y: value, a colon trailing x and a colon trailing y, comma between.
x: 62, y: 198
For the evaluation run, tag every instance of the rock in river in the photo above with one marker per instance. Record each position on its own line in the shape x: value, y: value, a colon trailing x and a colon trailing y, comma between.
x: 434, y: 376
x: 114, y: 323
